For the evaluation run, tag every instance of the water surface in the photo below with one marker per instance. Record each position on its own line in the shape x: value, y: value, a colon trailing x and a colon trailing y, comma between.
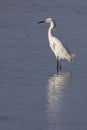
x: 32, y: 95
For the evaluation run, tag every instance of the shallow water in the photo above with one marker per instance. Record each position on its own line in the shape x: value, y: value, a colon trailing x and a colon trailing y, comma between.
x: 32, y: 96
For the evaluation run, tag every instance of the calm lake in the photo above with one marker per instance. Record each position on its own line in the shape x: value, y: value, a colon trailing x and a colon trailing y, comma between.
x: 32, y: 95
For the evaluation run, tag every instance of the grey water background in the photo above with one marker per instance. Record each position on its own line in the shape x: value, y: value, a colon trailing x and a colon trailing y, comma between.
x: 32, y: 96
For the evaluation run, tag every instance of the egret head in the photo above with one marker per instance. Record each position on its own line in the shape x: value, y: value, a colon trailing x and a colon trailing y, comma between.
x: 49, y: 20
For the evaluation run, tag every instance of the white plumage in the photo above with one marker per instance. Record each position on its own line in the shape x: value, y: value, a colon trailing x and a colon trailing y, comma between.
x: 60, y: 51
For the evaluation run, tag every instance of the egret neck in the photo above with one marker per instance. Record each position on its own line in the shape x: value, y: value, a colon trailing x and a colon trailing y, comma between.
x: 50, y: 30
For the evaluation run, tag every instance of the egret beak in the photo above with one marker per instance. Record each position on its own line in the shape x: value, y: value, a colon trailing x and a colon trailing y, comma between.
x: 41, y: 22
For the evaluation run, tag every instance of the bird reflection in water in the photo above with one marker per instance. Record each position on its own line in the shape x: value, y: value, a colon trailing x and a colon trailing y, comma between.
x: 55, y: 92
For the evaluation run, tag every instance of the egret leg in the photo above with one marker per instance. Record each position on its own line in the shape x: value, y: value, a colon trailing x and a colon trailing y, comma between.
x: 58, y: 65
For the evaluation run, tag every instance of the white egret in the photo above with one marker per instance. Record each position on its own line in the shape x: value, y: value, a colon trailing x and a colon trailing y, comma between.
x: 60, y: 51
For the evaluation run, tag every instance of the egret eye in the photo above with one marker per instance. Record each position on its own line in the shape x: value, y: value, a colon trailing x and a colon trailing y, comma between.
x: 48, y: 20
